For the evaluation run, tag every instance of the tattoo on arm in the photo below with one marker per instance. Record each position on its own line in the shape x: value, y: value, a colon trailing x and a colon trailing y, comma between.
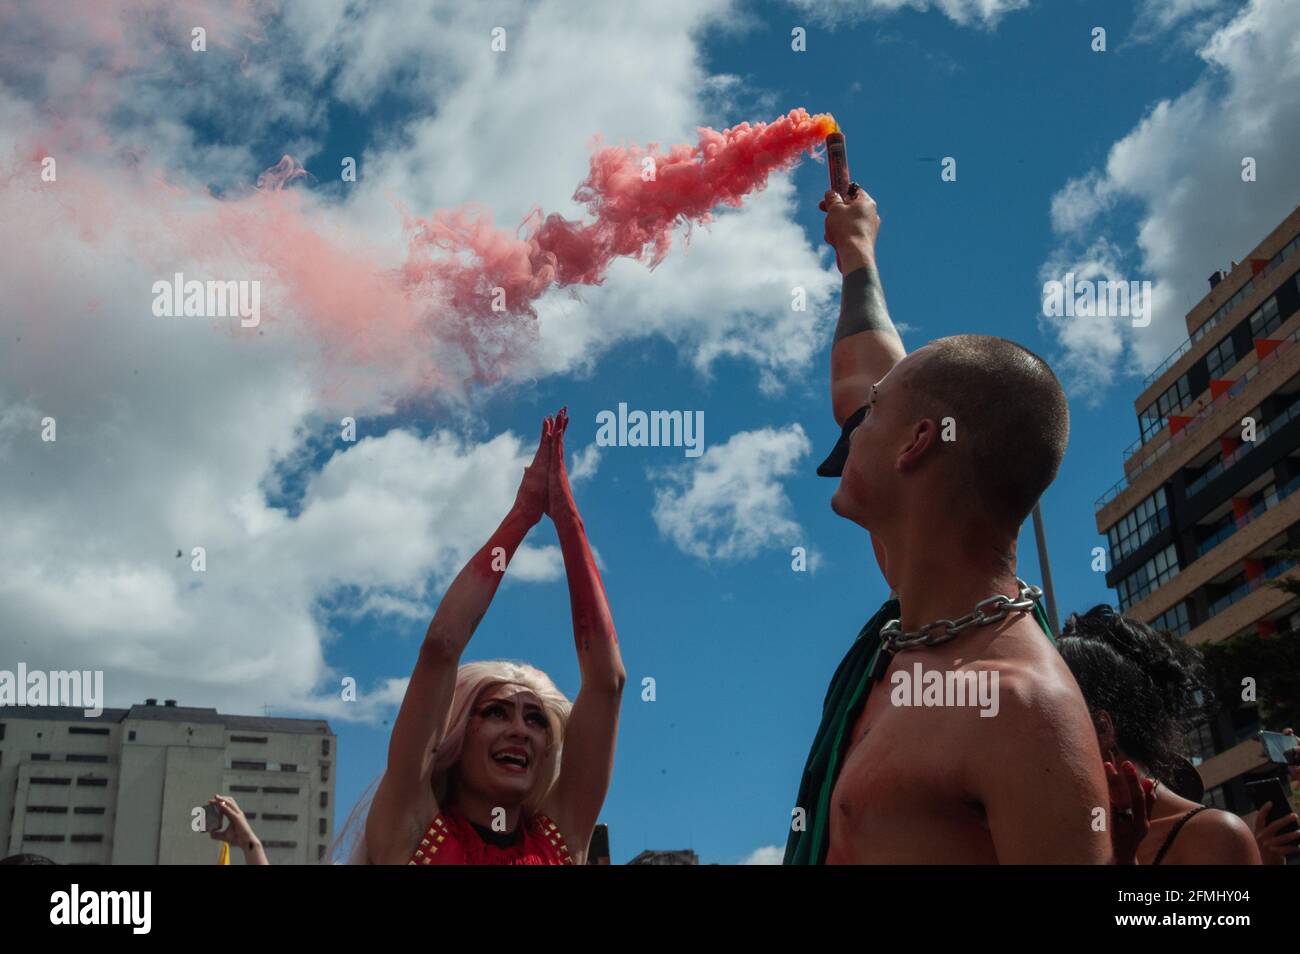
x: 862, y: 304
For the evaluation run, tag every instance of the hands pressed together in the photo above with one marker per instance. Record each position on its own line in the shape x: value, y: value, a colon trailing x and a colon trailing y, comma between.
x: 545, y: 486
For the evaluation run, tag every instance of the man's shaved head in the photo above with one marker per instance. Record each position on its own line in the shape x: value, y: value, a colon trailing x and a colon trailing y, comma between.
x: 1012, y: 419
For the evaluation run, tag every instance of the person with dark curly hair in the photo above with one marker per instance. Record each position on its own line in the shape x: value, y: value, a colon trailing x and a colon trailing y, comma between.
x: 1141, y: 688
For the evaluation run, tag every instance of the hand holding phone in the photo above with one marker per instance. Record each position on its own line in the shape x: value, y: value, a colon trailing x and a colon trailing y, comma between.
x: 1271, y: 792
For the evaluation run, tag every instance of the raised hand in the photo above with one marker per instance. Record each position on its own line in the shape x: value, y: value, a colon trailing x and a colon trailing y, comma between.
x: 1132, y: 800
x: 559, y: 502
x: 531, y: 500
x: 1275, y: 844
x: 852, y: 224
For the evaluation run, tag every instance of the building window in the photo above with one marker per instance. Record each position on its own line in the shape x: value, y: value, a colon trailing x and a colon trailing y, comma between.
x: 88, y: 810
x: 244, y: 766
x: 278, y: 790
x: 130, y: 736
x: 51, y: 781
x: 87, y: 839
x: 86, y: 730
x: 87, y: 782
x: 42, y: 838
x: 48, y: 809
x: 259, y: 739
x: 320, y: 852
x: 288, y: 767
x: 273, y: 816
x: 324, y: 747
x: 243, y: 788
x: 279, y: 844
x: 1265, y: 320
x: 324, y: 799
x: 1154, y: 418
x: 322, y: 825
x: 2, y: 732
x: 1138, y: 526
x: 1173, y: 620
x: 1154, y: 573
x: 40, y: 756
x: 1221, y: 358
x: 1265, y: 495
x: 324, y: 773
x: 74, y: 757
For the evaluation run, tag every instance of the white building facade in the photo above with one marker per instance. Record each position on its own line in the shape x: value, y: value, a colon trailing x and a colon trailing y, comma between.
x: 122, y: 788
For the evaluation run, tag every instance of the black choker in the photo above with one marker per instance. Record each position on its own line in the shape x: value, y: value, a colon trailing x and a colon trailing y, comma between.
x: 499, y: 839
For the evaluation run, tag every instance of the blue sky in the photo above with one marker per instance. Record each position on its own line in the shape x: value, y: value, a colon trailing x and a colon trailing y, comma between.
x: 327, y: 558
x: 742, y: 651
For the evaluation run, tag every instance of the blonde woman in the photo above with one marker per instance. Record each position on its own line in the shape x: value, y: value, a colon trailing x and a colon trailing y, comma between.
x: 488, y: 763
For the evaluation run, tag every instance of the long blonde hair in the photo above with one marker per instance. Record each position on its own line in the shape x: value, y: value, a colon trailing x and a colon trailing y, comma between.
x: 472, y: 680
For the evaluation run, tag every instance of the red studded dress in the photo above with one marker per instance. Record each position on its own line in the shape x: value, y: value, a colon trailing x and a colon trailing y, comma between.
x: 451, y: 840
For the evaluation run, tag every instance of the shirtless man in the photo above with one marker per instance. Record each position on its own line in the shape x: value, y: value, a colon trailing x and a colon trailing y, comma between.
x: 948, y: 451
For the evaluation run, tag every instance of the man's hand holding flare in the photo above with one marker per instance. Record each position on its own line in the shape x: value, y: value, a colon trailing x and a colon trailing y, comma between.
x: 852, y: 225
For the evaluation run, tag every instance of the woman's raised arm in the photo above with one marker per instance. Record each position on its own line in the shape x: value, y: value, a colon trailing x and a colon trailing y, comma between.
x: 426, y: 705
x: 588, y: 759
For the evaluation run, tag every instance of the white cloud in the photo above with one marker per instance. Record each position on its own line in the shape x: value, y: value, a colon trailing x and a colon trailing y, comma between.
x: 965, y: 12
x: 585, y: 464
x: 1093, y: 347
x: 172, y: 432
x: 708, y: 298
x: 1179, y: 169
x: 729, y: 504
x: 371, y: 705
x: 767, y: 855
x: 1194, y: 18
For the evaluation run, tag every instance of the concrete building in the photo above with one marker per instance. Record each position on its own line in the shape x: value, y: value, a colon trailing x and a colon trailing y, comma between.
x: 648, y: 857
x: 1209, y: 488
x: 121, y: 788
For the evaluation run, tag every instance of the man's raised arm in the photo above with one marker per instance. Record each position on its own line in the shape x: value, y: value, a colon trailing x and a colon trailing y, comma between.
x: 866, y: 343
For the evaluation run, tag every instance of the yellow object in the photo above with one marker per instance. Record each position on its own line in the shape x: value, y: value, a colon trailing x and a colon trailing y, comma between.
x: 224, y: 857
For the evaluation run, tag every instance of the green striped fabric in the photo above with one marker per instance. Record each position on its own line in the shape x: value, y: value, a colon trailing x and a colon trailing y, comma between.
x: 844, y: 702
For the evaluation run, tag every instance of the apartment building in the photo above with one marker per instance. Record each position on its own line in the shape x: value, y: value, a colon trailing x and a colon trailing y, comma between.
x: 1208, y: 495
x: 121, y: 788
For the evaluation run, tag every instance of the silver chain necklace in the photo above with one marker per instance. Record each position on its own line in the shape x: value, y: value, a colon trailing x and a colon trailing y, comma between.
x: 942, y: 630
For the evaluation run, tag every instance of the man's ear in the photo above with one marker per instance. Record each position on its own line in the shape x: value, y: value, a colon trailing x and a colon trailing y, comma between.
x: 925, y: 434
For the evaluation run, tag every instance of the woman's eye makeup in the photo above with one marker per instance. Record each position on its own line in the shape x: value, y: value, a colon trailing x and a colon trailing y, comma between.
x: 498, y: 711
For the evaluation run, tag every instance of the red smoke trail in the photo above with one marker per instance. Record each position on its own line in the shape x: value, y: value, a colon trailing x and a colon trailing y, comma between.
x: 634, y: 216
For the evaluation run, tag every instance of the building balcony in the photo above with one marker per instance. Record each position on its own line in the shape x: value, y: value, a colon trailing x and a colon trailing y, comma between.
x: 1245, y: 756
x: 1240, y: 292
x: 1262, y: 435
x: 1246, y: 538
x: 1264, y: 506
x: 1243, y: 613
x: 1257, y: 378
